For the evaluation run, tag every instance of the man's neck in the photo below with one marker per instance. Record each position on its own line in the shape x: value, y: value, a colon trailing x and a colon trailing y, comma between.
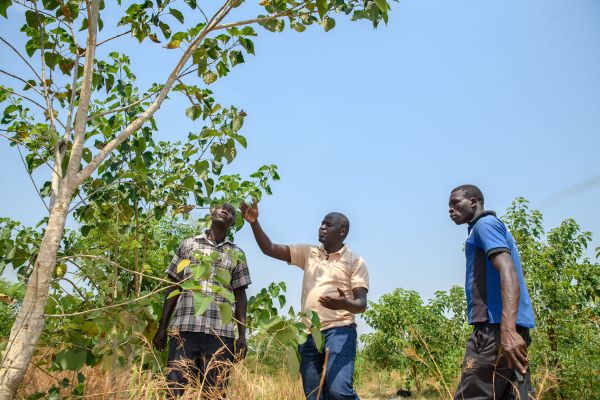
x: 478, y: 213
x: 216, y: 233
x: 333, y: 248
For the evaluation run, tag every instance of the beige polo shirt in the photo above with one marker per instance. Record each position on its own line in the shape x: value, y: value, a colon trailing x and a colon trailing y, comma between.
x: 323, y: 274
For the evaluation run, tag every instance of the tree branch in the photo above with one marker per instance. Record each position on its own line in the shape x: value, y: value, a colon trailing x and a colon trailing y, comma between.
x: 22, y: 80
x: 21, y: 56
x: 107, y: 260
x: 252, y: 21
x: 114, y: 37
x: 147, y: 114
x: 86, y: 92
x: 115, y: 110
x: 32, y: 180
x: 26, y: 98
x: 112, y: 305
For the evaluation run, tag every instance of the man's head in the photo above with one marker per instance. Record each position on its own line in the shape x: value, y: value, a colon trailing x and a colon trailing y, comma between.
x: 464, y: 203
x: 334, y: 229
x: 223, y: 214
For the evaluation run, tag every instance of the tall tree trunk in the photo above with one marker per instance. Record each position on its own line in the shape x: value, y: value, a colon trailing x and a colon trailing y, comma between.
x: 29, y: 323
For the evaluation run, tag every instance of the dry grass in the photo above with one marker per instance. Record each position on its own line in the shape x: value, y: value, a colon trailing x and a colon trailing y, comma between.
x: 246, y: 382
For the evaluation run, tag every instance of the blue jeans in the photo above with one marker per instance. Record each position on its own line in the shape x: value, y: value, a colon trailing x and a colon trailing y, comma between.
x: 341, y: 342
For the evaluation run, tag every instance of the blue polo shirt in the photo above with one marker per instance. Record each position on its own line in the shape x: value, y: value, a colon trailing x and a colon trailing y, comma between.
x: 489, y: 235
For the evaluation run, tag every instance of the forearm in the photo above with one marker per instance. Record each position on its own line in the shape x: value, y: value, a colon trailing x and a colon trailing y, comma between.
x: 278, y: 251
x: 168, y: 308
x: 510, y: 289
x: 511, y: 295
x: 262, y: 239
x: 241, y: 304
x: 356, y: 306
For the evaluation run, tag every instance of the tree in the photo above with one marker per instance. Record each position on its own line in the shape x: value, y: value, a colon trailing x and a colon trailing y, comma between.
x: 89, y: 108
x: 564, y: 288
x: 422, y: 340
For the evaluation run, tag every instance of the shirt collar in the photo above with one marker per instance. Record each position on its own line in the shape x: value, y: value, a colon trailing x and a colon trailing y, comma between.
x: 204, y: 236
x: 336, y: 255
x: 484, y: 214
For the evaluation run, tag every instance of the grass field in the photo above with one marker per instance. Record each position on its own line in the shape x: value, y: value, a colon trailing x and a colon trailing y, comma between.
x: 247, y: 381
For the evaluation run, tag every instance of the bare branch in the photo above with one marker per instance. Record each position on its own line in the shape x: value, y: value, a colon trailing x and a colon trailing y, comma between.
x: 26, y: 98
x: 22, y: 80
x: 252, y: 21
x: 112, y: 305
x: 104, y: 259
x: 114, y: 37
x: 32, y: 180
x: 115, y: 110
x: 21, y: 56
x: 43, y: 61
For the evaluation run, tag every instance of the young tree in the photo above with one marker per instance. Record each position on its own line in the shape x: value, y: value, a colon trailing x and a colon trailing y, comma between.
x: 83, y: 99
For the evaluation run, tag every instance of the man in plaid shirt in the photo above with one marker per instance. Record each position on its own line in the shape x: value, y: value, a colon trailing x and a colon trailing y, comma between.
x: 202, y: 343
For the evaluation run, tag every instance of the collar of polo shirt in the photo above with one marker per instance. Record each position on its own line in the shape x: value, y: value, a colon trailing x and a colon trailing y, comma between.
x: 332, y: 256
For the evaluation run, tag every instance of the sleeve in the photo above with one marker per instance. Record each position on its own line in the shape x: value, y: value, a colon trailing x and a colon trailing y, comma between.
x: 360, y: 274
x: 240, y: 276
x: 491, y: 235
x: 172, y: 270
x: 299, y: 254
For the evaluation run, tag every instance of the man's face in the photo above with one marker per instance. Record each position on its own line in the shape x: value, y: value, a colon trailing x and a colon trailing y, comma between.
x: 224, y: 214
x: 461, y: 208
x: 330, y: 231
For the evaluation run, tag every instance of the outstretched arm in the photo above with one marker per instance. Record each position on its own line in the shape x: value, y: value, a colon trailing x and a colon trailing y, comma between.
x: 278, y: 251
x: 512, y: 343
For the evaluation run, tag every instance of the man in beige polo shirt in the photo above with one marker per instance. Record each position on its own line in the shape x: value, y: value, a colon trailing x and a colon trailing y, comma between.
x: 335, y: 286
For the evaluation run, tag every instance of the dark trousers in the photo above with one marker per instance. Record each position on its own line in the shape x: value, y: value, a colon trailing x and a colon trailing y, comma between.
x: 199, y: 359
x: 338, y: 385
x: 485, y: 372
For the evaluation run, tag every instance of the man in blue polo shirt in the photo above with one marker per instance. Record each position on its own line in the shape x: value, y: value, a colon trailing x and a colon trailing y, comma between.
x: 498, y: 304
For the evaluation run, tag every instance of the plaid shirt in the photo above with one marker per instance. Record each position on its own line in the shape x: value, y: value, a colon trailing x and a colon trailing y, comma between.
x: 184, y: 318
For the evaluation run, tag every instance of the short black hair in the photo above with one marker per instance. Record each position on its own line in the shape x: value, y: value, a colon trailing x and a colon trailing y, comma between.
x: 343, y: 220
x: 470, y: 191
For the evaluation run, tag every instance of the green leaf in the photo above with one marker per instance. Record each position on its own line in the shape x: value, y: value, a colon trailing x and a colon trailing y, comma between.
x: 173, y: 44
x: 4, y: 4
x: 322, y: 8
x: 70, y: 360
x: 189, y: 182
x: 226, y: 312
x: 86, y: 155
x: 317, y: 338
x: 177, y: 14
x: 293, y: 359
x: 198, y: 271
x: 174, y: 293
x: 382, y: 4
x: 201, y: 303
x: 209, y: 77
x: 182, y: 264
x: 328, y: 24
x: 221, y: 291
x: 284, y: 336
x: 223, y: 276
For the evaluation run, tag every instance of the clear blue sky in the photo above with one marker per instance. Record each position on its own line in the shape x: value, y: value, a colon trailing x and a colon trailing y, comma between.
x: 382, y: 124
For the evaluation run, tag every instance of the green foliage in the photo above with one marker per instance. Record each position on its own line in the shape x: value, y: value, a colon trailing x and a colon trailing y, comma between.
x: 423, y: 340
x: 276, y: 337
x: 564, y: 288
x: 11, y: 297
